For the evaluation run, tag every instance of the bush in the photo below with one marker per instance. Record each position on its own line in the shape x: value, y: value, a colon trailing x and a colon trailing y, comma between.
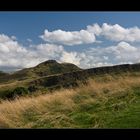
x: 20, y: 91
x: 5, y: 94
x: 32, y: 88
x: 10, y: 94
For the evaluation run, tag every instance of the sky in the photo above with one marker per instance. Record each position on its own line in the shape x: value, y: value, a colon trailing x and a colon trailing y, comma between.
x: 86, y: 39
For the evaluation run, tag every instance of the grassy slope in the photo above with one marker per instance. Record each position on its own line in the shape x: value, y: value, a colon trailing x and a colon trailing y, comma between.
x: 106, y: 102
x: 46, y: 68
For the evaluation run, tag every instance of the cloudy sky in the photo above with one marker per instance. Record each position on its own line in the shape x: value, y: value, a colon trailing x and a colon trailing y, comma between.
x: 87, y: 39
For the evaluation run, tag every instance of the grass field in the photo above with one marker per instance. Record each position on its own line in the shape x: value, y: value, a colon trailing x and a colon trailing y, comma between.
x: 105, y: 102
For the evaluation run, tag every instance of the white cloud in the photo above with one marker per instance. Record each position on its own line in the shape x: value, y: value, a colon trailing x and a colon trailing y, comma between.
x: 68, y: 38
x: 122, y: 47
x: 4, y: 38
x: 121, y: 53
x: 70, y: 57
x: 111, y: 32
x: 115, y: 32
x: 125, y: 52
x: 10, y: 52
x: 95, y: 28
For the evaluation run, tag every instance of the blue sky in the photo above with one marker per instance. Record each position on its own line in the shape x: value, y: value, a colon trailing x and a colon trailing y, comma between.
x: 25, y: 25
x: 65, y: 40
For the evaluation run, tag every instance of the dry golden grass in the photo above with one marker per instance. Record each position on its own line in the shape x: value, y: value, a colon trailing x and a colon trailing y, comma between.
x: 11, y: 111
x: 53, y: 108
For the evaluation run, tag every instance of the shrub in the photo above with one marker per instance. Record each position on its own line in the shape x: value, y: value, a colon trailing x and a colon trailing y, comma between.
x: 5, y: 94
x: 32, y: 88
x: 10, y: 94
x: 19, y: 91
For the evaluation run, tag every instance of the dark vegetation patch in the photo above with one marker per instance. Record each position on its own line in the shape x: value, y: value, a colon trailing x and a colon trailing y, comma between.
x: 11, y: 94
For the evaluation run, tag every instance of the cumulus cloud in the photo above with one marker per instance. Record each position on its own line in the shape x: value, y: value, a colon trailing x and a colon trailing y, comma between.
x: 111, y: 32
x: 123, y: 52
x: 118, y: 33
x: 68, y: 38
x: 95, y: 28
x: 71, y: 57
x: 115, y: 32
x: 10, y: 50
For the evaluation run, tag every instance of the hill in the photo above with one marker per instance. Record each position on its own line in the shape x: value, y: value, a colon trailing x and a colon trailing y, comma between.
x: 71, y: 79
x: 46, y: 68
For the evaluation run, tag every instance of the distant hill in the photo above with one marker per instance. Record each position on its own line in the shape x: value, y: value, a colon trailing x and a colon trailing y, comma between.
x: 46, y: 68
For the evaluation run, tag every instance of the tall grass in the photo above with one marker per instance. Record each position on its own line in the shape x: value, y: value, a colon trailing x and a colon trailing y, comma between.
x: 93, y: 105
